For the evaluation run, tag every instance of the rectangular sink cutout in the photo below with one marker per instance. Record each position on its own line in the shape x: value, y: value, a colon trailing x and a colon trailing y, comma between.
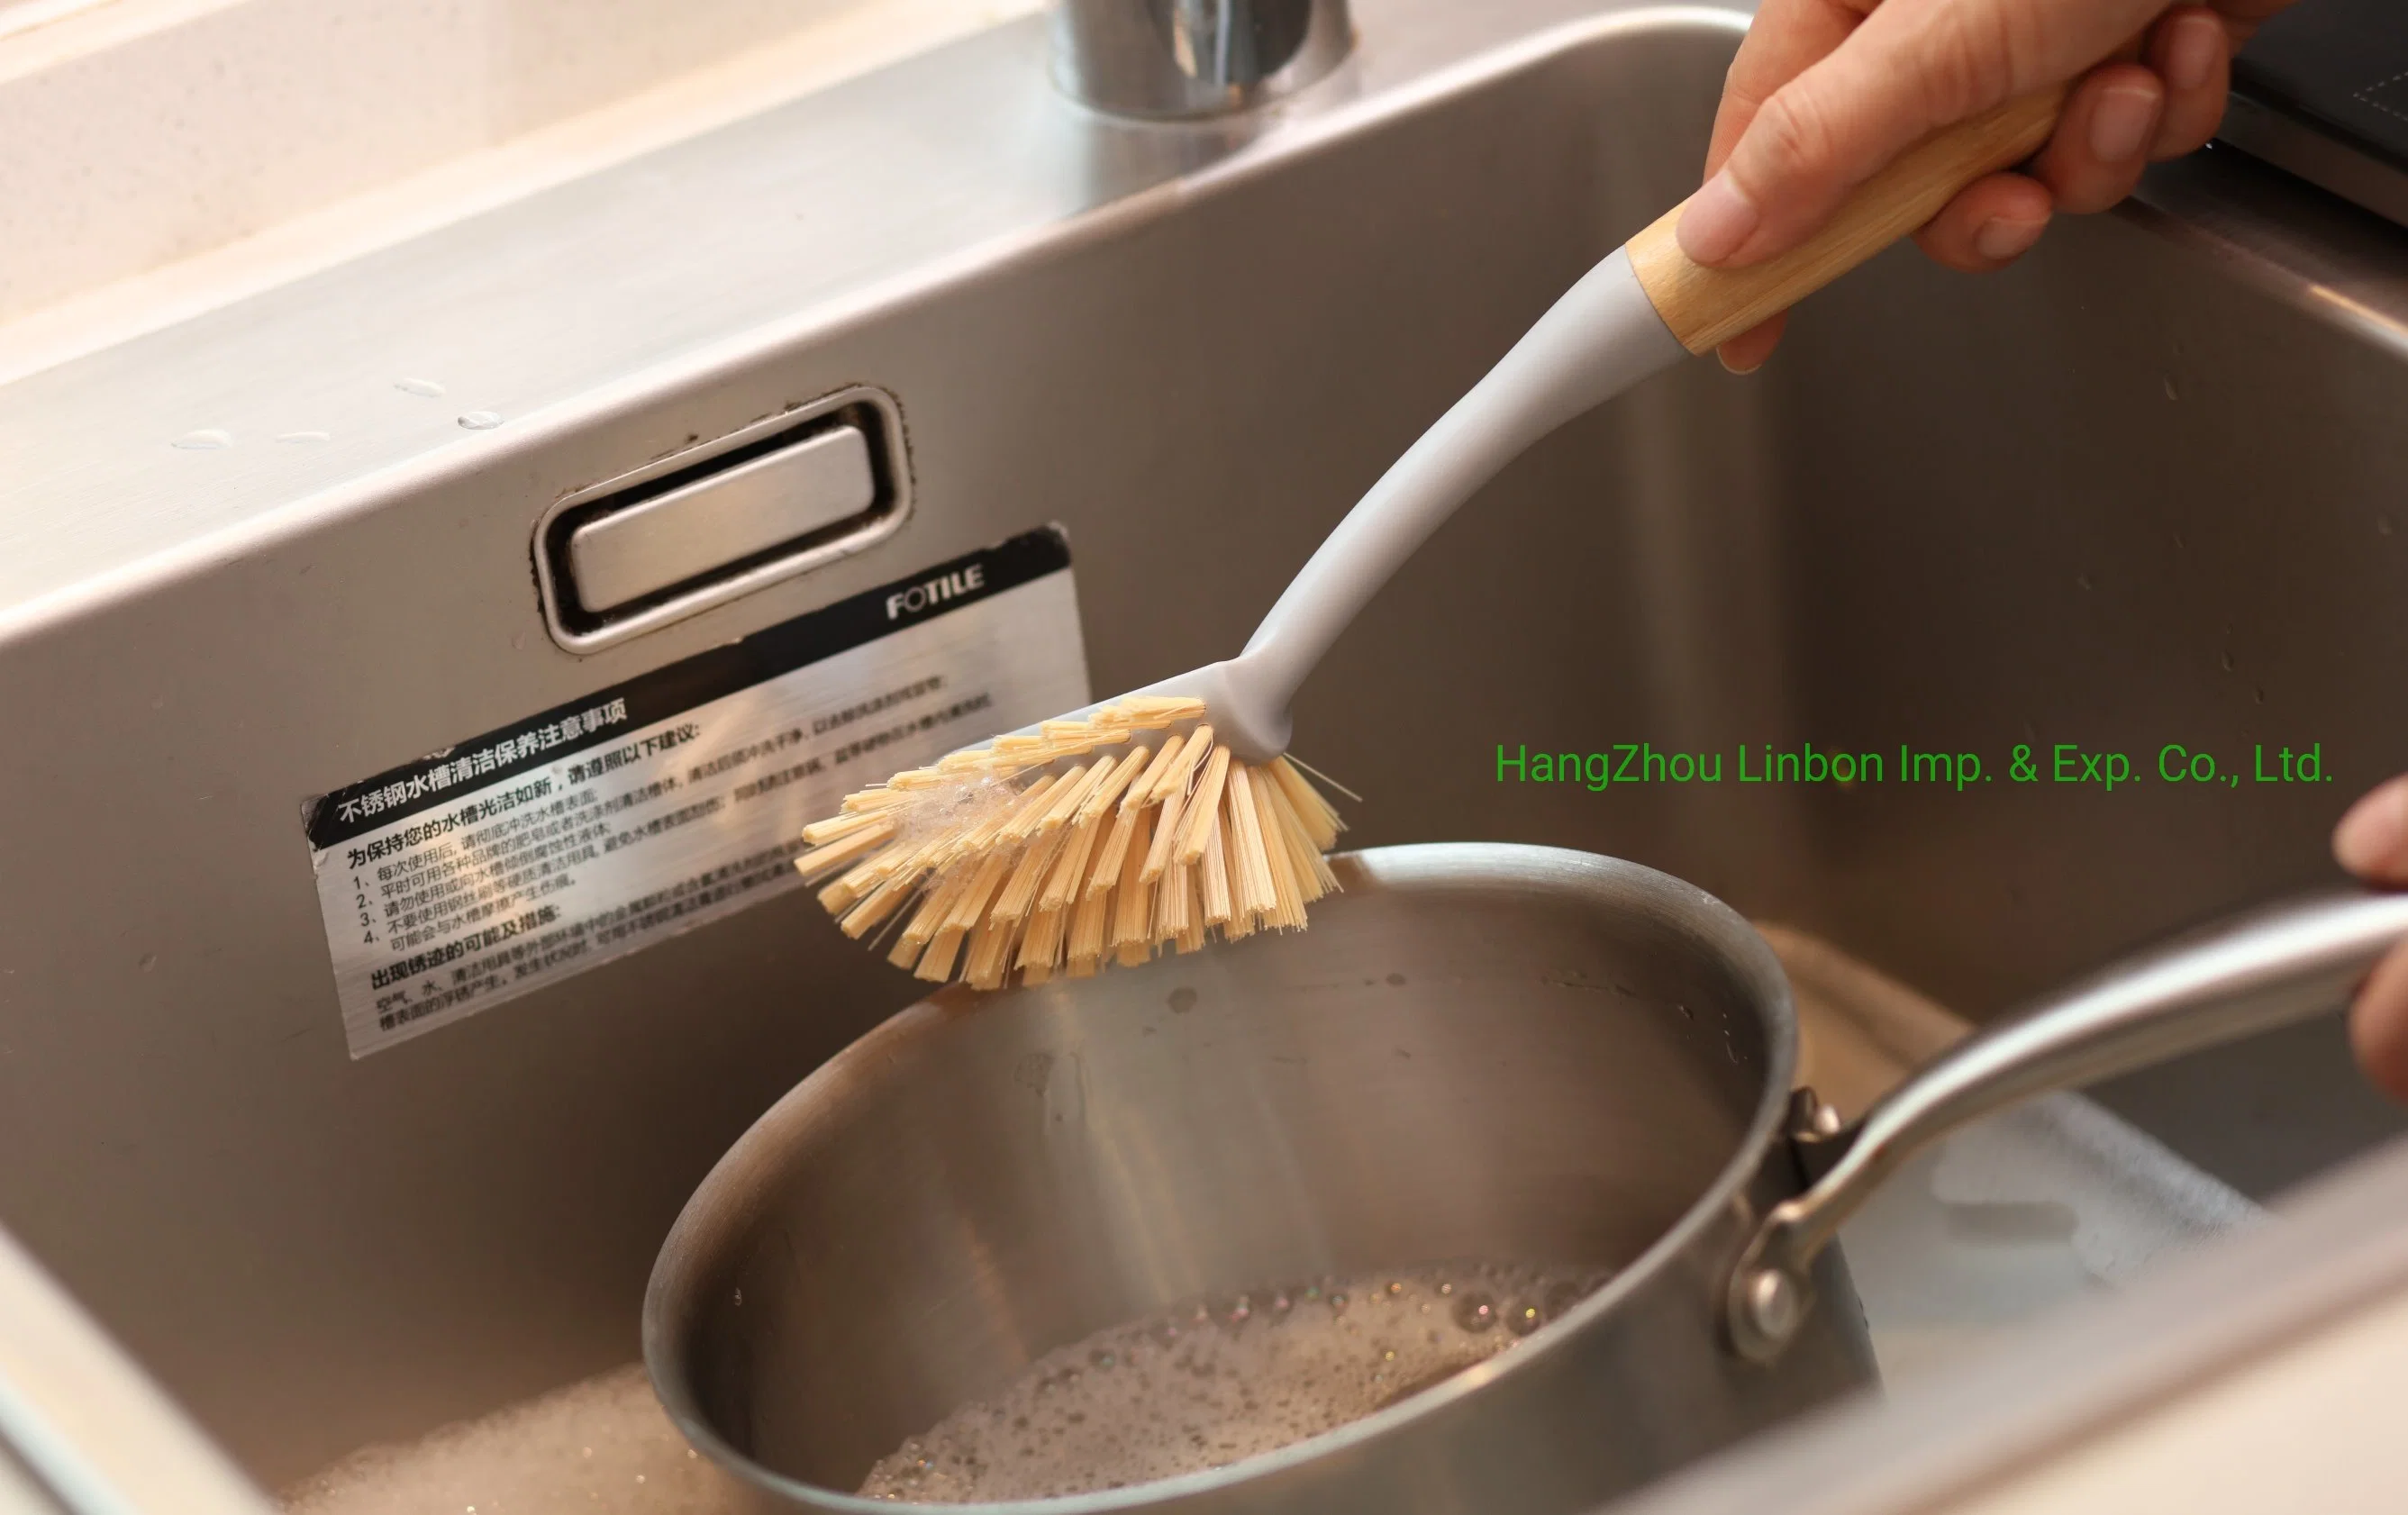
x: 705, y: 525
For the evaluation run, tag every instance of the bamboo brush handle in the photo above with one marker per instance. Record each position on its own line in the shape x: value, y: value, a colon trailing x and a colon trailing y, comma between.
x: 1706, y: 306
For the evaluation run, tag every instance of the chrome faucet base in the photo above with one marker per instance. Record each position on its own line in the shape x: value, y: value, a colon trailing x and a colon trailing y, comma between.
x: 1176, y: 59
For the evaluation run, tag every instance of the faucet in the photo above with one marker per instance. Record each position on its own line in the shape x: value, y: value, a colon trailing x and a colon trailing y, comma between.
x: 1188, y: 58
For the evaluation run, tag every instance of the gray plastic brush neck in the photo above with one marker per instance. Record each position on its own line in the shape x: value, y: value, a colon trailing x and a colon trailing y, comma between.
x: 1600, y: 338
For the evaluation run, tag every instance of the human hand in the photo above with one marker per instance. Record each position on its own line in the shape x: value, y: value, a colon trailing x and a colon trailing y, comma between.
x: 2371, y: 841
x: 1826, y: 93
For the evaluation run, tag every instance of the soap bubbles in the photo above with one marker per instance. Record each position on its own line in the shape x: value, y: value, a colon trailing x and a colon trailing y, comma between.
x: 1217, y: 1380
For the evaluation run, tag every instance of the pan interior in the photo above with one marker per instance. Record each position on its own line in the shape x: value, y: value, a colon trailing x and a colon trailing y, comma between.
x: 1508, y: 1055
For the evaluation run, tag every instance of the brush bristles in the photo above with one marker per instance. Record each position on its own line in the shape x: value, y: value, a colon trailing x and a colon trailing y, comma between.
x: 1095, y: 840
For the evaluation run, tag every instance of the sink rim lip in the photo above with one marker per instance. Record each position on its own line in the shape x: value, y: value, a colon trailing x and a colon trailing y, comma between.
x: 144, y: 550
x: 100, y: 533
x: 716, y: 1209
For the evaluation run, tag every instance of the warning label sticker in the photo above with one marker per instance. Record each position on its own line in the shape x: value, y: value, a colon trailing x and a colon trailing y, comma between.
x: 533, y: 852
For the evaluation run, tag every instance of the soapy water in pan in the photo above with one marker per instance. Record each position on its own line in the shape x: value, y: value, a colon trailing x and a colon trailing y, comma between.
x: 1222, y: 1379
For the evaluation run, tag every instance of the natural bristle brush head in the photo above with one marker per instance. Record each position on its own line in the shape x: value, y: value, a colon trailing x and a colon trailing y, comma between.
x: 1049, y: 853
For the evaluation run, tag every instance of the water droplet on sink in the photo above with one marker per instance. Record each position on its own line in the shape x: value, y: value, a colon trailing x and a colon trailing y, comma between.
x: 1181, y: 1000
x: 149, y: 961
x: 425, y: 388
x: 207, y: 440
x: 2383, y: 525
x: 480, y: 421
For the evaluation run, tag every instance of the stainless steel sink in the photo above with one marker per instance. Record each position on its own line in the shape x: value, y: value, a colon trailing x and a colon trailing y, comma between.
x: 2151, y: 487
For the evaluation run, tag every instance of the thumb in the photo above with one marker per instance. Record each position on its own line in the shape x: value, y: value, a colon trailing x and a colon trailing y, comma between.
x: 1817, y: 138
x: 1913, y: 67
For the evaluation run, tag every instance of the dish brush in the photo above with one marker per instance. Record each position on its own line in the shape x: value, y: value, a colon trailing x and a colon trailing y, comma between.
x: 1173, y: 813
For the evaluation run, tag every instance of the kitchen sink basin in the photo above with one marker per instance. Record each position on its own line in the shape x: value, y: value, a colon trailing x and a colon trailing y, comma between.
x: 2148, y: 487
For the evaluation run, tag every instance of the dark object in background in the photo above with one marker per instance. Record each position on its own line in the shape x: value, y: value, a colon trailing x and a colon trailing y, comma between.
x: 2322, y: 91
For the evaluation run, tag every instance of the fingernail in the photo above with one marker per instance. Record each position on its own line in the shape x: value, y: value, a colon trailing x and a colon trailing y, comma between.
x: 2374, y: 830
x: 1719, y: 218
x: 2121, y: 122
x: 1721, y: 355
x: 2191, y: 51
x: 2000, y: 238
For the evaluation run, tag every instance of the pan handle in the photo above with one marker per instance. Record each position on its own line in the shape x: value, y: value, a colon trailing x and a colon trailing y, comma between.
x: 2249, y: 973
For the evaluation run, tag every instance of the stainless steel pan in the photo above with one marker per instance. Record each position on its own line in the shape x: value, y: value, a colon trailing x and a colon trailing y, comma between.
x: 1477, y: 1051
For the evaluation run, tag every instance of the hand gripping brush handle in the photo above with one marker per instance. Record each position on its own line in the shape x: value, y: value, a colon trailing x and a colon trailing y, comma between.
x: 1172, y: 811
